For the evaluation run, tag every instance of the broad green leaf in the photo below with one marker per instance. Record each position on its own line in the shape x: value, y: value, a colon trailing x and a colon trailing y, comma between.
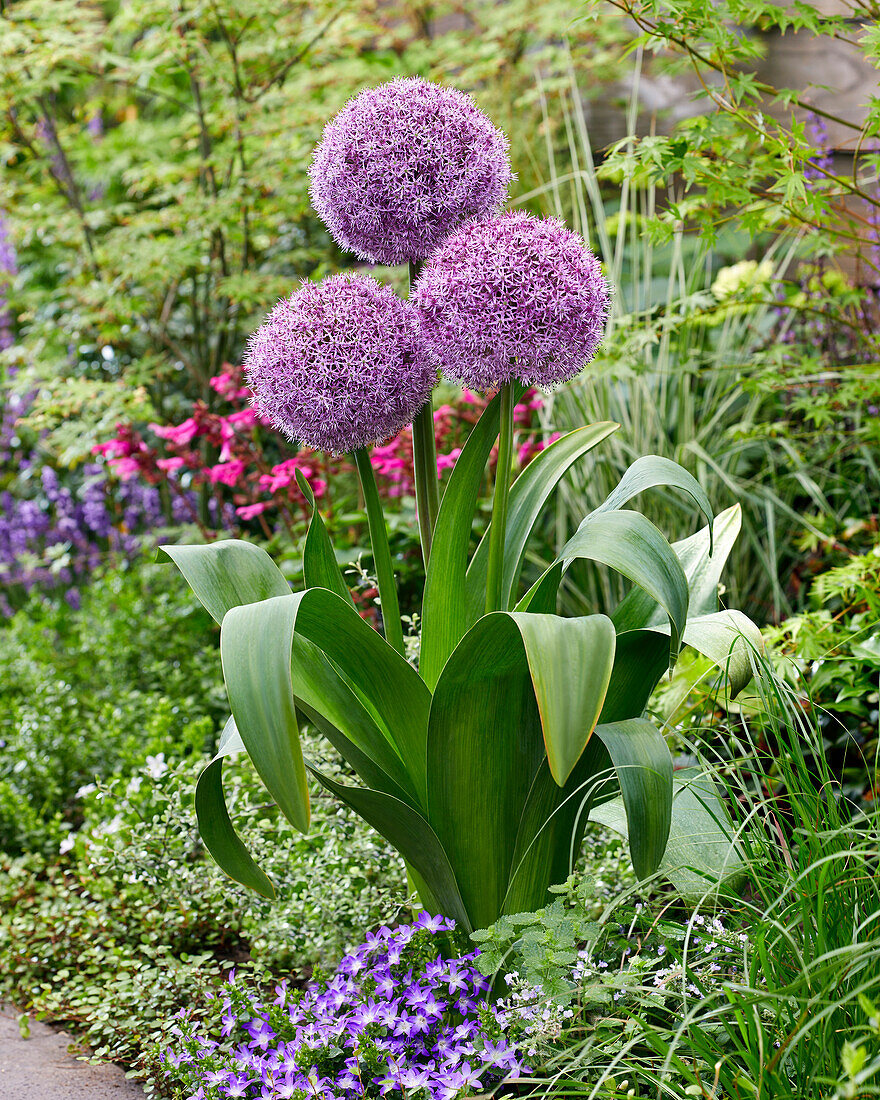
x: 570, y: 662
x: 485, y: 746
x: 644, y: 770
x: 631, y: 544
x: 703, y: 573
x: 320, y: 568
x: 651, y: 471
x: 528, y: 497
x: 215, y: 826
x: 255, y: 646
x: 227, y: 573
x: 541, y: 598
x: 640, y: 659
x: 386, y: 698
x: 385, y: 683
x: 702, y: 854
x: 444, y: 604
x: 322, y: 694
x: 412, y: 836
x: 552, y: 824
x: 730, y: 639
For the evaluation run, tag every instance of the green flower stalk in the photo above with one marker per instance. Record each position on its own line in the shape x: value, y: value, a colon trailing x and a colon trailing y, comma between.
x: 425, y: 462
x: 381, y: 551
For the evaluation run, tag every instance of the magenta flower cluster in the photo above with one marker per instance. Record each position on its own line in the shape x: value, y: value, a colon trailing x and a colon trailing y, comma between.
x: 395, y: 1019
x: 512, y: 297
x: 340, y: 364
x: 404, y: 164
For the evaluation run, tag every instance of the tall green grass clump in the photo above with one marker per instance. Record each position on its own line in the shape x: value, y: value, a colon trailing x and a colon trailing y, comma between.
x: 699, y: 365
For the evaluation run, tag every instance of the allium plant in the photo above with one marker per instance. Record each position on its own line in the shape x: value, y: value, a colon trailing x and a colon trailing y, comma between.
x: 397, y: 1018
x: 481, y: 766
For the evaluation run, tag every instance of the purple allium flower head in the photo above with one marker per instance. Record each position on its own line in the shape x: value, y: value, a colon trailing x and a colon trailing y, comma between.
x: 402, y: 165
x: 512, y: 297
x: 340, y: 364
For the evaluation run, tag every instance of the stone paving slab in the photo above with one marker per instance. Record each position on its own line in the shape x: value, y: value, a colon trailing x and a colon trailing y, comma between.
x: 42, y: 1068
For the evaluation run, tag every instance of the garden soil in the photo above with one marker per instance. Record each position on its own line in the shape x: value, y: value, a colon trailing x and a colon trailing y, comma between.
x: 42, y: 1067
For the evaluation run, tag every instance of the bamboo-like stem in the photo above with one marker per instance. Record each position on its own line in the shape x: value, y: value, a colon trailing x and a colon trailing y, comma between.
x: 425, y: 463
x: 381, y: 551
x: 498, y: 530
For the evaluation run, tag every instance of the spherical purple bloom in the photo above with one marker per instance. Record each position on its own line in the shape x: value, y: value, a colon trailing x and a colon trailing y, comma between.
x: 340, y: 364
x: 512, y: 297
x: 402, y: 165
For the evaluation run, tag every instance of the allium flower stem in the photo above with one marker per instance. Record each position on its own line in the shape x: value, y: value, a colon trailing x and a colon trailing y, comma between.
x: 381, y: 551
x: 498, y: 530
x: 425, y: 462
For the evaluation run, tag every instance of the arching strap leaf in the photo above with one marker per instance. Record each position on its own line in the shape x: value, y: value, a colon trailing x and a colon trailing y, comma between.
x: 644, y: 770
x: 728, y: 638
x: 412, y: 836
x: 702, y: 855
x: 631, y: 544
x: 320, y: 568
x: 651, y: 471
x: 361, y: 687
x: 255, y: 645
x: 542, y: 596
x: 216, y: 828
x: 484, y: 747
x: 326, y: 699
x: 227, y: 573
x: 517, y: 689
x: 528, y: 496
x: 570, y: 662
x: 703, y: 573
x: 444, y: 604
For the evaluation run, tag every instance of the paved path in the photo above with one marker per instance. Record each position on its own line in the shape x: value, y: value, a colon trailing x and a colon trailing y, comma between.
x: 41, y: 1068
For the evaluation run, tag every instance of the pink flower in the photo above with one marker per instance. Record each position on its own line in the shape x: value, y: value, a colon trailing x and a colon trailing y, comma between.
x: 247, y: 418
x: 125, y: 468
x: 179, y: 434
x: 446, y: 462
x: 169, y: 464
x: 251, y: 511
x: 282, y: 475
x: 225, y: 385
x: 227, y: 473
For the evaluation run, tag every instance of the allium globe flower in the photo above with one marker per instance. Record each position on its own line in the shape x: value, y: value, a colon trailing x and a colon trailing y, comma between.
x: 512, y: 297
x: 340, y: 364
x: 402, y: 165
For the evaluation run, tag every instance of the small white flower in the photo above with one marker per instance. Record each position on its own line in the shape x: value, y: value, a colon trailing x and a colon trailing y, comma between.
x: 155, y: 766
x: 66, y: 845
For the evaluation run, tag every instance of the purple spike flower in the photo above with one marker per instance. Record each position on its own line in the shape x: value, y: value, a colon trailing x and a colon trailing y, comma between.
x: 402, y: 165
x: 340, y: 364
x: 512, y: 297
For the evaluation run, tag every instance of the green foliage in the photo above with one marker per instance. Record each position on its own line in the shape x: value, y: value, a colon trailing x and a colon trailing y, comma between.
x: 758, y: 375
x: 154, y: 168
x: 484, y: 831
x: 153, y: 926
x: 775, y: 996
x: 88, y: 693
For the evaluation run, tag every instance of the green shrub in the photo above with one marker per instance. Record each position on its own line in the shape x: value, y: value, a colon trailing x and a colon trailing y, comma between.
x: 87, y: 693
x: 138, y: 922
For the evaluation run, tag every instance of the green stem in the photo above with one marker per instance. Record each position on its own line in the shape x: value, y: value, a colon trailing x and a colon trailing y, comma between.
x: 498, y: 530
x: 425, y: 463
x: 381, y: 551
x: 425, y: 470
